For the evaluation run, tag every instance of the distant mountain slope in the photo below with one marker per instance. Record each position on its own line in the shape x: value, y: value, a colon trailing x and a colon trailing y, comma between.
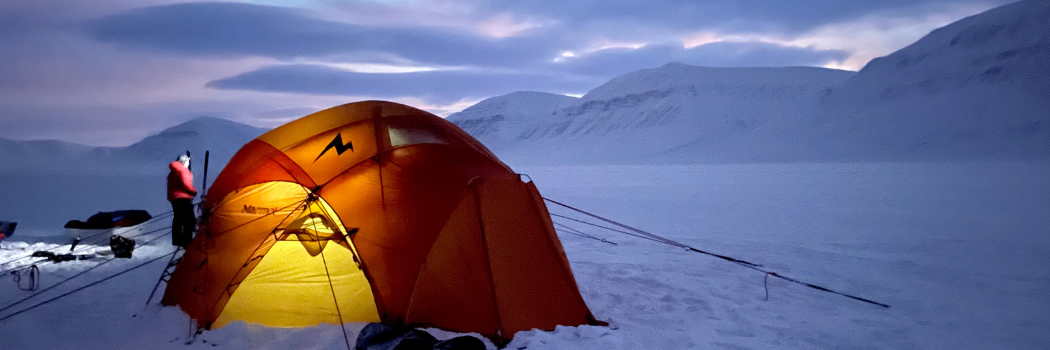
x: 219, y: 136
x: 14, y: 151
x: 640, y: 115
x: 500, y: 120
x: 977, y: 88
x: 45, y: 155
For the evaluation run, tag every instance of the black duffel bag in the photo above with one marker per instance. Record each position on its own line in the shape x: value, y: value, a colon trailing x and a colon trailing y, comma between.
x: 378, y: 336
x: 121, y: 247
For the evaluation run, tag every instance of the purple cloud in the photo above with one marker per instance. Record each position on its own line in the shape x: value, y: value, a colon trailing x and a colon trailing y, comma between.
x: 436, y: 86
x: 238, y: 30
x: 616, y: 61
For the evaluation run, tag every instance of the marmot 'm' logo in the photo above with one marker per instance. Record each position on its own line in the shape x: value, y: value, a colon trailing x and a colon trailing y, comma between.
x: 337, y: 143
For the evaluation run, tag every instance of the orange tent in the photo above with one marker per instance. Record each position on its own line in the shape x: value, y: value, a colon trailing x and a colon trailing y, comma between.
x: 375, y: 212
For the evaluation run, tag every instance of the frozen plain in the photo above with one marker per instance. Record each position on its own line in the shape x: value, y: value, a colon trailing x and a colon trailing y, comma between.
x: 961, y: 251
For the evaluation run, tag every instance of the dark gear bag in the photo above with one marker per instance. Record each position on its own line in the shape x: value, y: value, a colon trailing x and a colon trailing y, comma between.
x: 122, y: 247
x: 378, y: 336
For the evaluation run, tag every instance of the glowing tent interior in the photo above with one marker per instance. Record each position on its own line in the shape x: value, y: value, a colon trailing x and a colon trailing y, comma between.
x: 375, y: 212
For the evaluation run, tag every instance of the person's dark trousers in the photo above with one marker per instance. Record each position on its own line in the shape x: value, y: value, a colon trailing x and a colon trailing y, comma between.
x: 184, y: 222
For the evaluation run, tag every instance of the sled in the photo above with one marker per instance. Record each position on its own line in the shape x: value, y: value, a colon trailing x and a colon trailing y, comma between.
x: 121, y: 222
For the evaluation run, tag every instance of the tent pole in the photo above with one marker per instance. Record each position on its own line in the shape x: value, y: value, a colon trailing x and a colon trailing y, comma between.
x: 331, y: 287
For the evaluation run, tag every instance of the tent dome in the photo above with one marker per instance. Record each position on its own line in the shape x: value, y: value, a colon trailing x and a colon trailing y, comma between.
x: 375, y: 212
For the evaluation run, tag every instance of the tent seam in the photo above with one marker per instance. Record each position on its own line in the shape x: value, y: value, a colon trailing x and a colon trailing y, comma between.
x: 488, y: 260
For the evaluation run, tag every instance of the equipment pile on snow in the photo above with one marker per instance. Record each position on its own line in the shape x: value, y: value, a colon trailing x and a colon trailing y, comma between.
x: 120, y: 222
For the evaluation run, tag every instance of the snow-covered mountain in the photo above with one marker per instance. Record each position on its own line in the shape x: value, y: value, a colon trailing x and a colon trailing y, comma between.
x: 639, y: 115
x: 498, y: 121
x: 35, y: 156
x: 219, y: 136
x: 43, y: 184
x: 976, y: 89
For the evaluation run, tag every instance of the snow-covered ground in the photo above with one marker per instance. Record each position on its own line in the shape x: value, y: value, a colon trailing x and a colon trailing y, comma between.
x: 961, y: 251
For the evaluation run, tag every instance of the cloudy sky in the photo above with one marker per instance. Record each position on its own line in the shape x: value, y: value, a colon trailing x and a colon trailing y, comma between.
x: 110, y: 72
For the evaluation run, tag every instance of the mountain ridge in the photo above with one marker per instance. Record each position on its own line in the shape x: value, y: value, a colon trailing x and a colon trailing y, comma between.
x: 637, y: 116
x: 221, y: 137
x: 976, y: 89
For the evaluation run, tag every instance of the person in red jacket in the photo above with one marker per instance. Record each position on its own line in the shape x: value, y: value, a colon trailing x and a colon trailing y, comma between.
x: 180, y: 194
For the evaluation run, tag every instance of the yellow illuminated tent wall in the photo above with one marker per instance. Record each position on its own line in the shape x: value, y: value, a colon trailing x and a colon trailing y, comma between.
x: 375, y: 212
